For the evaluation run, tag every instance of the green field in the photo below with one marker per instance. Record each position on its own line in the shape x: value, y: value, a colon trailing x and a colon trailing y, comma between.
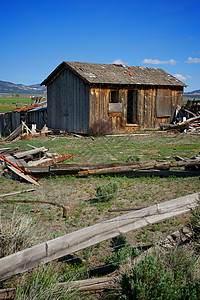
x: 9, y: 103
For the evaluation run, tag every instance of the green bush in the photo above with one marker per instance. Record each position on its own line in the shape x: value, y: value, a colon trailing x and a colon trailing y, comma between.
x: 133, y: 158
x: 105, y: 192
x: 151, y: 279
x: 122, y: 255
x: 118, y: 242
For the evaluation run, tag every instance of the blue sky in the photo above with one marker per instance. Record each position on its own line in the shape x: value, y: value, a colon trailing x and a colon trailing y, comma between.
x: 36, y: 36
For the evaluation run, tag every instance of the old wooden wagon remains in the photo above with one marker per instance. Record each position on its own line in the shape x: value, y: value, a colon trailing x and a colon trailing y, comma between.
x: 93, y: 98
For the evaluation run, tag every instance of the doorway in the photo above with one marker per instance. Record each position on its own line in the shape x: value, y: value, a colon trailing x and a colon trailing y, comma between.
x: 132, y: 107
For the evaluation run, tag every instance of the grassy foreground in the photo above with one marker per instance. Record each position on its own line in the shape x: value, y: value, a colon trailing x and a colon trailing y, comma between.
x: 77, y: 194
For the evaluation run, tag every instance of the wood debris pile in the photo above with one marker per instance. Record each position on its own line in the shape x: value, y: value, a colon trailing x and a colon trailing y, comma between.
x: 24, y: 132
x: 186, y: 118
x: 179, y: 167
x: 17, y: 161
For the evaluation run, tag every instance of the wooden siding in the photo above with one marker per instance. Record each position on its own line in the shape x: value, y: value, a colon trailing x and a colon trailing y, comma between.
x: 37, y: 117
x: 68, y: 103
x: 154, y: 105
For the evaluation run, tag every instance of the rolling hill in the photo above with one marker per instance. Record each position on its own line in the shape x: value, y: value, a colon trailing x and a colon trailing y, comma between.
x: 196, y: 92
x: 9, y: 87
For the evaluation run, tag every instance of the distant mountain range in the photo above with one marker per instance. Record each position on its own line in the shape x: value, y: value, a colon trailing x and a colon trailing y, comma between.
x: 12, y: 88
x: 197, y: 92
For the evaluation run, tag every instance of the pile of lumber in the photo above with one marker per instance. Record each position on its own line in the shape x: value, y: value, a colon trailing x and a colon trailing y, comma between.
x: 17, y: 161
x: 187, y: 124
x: 24, y: 132
x: 186, y: 118
x: 178, y: 167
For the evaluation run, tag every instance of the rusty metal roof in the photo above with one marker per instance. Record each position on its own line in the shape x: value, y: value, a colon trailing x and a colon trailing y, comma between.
x: 30, y: 106
x: 93, y: 73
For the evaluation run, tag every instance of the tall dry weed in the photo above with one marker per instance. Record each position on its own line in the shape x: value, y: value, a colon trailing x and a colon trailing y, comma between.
x: 16, y: 234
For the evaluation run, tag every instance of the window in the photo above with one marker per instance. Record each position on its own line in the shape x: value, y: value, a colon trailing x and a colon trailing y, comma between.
x: 114, y: 97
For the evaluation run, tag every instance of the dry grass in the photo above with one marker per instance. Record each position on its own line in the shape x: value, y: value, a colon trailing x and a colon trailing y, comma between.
x: 16, y: 234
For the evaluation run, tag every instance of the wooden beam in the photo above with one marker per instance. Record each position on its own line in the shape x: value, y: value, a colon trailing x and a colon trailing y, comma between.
x: 21, y: 174
x: 53, y: 249
x: 30, y: 152
x: 92, y: 285
x: 180, y: 125
x: 16, y: 193
x: 153, y: 168
x: 19, y: 171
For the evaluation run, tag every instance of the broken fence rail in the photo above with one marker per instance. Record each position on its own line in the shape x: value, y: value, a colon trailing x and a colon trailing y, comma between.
x: 27, y: 259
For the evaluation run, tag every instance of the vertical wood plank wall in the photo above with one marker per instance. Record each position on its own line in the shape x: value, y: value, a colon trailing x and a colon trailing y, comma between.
x: 146, y: 107
x: 68, y: 103
x: 76, y: 107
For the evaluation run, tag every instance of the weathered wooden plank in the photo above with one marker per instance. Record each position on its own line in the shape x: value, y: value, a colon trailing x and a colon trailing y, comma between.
x: 37, y: 170
x: 141, y: 167
x: 92, y: 285
x: 152, y: 173
x: 180, y: 125
x: 21, y: 174
x: 14, y: 134
x: 30, y: 152
x: 24, y: 260
x: 153, y: 109
x: 19, y: 171
x: 141, y: 109
x: 16, y: 193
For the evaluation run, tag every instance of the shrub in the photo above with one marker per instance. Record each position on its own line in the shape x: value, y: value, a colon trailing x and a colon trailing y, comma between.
x: 120, y: 256
x: 101, y: 127
x: 118, y: 242
x: 134, y: 158
x: 151, y: 279
x: 15, y: 234
x: 105, y: 192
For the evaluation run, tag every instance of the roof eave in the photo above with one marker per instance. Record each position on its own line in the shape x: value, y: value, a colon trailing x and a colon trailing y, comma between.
x: 57, y: 71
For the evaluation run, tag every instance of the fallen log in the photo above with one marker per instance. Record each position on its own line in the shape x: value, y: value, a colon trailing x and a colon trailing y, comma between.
x: 50, y: 250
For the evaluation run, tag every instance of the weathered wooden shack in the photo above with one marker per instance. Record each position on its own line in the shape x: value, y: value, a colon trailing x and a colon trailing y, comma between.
x: 89, y: 97
x: 32, y: 114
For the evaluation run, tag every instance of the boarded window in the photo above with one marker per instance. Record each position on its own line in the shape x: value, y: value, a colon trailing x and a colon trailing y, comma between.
x: 115, y: 107
x: 163, y: 103
x: 114, y: 97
